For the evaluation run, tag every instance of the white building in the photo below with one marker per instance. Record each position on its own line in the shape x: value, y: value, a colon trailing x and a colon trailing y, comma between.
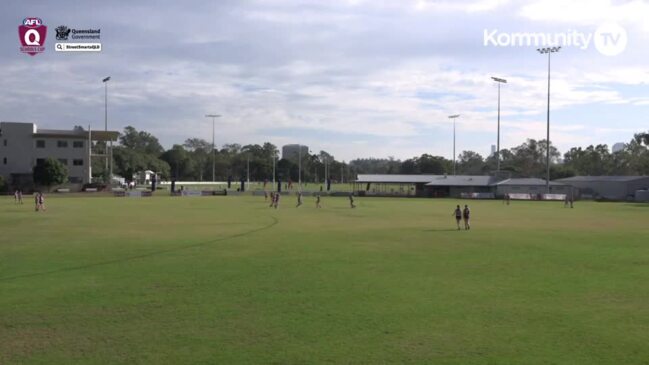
x: 24, y: 145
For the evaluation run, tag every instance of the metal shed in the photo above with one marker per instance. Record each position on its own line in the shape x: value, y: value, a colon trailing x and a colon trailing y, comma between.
x: 608, y: 187
x: 455, y: 186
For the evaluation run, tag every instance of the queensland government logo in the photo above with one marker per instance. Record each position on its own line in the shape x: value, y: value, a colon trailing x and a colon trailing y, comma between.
x: 32, y: 36
x: 62, y: 33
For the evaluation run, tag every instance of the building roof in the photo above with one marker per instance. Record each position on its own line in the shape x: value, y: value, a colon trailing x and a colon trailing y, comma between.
x: 95, y: 135
x: 463, y: 180
x: 429, y: 180
x: 527, y: 182
x: 397, y: 179
x: 601, y: 179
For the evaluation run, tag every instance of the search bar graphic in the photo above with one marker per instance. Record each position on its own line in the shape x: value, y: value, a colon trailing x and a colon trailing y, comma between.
x: 78, y: 47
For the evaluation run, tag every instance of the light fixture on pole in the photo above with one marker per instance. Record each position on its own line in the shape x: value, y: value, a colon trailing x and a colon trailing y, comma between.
x: 499, y: 81
x: 455, y: 116
x: 549, y: 51
x: 213, y: 116
x: 110, y: 172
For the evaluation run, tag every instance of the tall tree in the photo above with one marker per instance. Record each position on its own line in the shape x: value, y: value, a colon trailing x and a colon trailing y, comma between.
x: 50, y: 172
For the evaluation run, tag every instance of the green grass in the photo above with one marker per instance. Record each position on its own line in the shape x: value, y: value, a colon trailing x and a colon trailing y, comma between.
x: 226, y: 280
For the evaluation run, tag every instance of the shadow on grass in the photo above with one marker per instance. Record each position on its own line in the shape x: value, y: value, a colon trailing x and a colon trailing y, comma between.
x: 441, y: 230
x: 141, y: 256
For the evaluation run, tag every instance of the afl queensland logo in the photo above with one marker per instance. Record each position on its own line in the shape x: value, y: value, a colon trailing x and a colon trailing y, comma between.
x: 32, y: 34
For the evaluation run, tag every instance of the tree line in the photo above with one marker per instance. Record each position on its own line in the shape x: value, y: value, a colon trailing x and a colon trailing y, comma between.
x: 194, y: 160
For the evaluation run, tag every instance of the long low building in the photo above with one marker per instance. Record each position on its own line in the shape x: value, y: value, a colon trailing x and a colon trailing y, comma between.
x: 425, y: 185
x: 608, y: 187
x: 24, y: 145
x: 532, y: 186
x: 439, y: 186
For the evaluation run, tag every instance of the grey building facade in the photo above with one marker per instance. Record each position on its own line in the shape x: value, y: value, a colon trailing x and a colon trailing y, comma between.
x: 532, y: 186
x: 24, y: 145
x: 607, y: 187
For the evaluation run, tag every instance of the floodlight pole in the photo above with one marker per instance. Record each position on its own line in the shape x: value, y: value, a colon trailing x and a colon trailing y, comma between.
x: 213, y: 116
x: 455, y: 116
x: 248, y: 168
x: 499, y: 81
x: 549, y: 51
x: 299, y: 170
x: 110, y: 175
x: 274, y: 157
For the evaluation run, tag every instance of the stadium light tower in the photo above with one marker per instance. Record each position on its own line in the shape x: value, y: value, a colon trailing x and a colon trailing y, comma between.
x: 455, y: 116
x: 499, y: 81
x: 549, y: 51
x: 105, y: 81
x: 274, y: 158
x: 213, y: 116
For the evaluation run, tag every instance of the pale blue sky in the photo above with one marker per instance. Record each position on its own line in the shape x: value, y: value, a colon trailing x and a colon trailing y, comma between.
x: 356, y: 78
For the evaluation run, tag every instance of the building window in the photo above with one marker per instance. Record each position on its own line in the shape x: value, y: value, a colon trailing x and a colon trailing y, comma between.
x: 74, y: 180
x: 77, y: 144
x: 63, y: 161
x: 62, y: 144
x: 40, y: 143
x: 4, y: 161
x: 40, y: 161
x: 77, y: 162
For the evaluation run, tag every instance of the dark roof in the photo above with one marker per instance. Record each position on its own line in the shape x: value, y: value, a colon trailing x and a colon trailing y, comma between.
x: 463, y: 180
x: 531, y: 181
x: 389, y: 178
x: 429, y: 180
x: 601, y: 178
x: 95, y: 135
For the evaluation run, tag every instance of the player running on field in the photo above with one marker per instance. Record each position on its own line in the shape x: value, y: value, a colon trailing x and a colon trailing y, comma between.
x: 466, y: 213
x: 317, y: 201
x: 299, y: 200
x: 272, y: 199
x: 351, y: 200
x: 458, y: 216
x: 276, y: 203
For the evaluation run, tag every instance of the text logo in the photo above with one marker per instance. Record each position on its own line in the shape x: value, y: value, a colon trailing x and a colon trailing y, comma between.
x: 610, y: 39
x: 32, y: 34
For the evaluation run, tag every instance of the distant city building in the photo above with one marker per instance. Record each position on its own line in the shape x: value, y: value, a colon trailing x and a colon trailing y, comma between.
x: 618, y: 147
x: 493, y: 150
x: 291, y: 152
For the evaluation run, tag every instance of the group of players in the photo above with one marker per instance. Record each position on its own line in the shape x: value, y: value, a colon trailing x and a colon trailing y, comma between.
x: 39, y: 200
x: 274, y: 200
x: 461, y: 214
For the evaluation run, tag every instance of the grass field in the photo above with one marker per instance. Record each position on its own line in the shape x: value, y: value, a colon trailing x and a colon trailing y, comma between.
x: 226, y: 280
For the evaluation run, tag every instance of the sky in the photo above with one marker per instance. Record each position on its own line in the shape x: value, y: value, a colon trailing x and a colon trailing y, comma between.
x: 355, y: 78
